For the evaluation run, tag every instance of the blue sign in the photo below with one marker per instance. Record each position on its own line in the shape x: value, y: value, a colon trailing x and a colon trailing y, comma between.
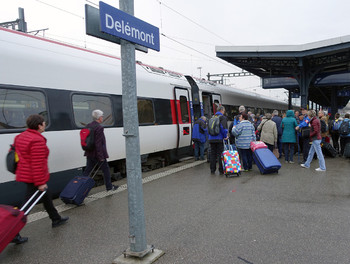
x: 343, y: 93
x: 120, y: 24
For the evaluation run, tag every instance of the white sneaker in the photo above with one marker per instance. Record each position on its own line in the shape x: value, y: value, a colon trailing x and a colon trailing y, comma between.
x: 319, y: 169
x: 304, y: 166
x: 291, y: 162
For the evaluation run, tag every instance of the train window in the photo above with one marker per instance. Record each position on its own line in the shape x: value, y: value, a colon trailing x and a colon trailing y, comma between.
x: 145, y: 110
x: 17, y: 105
x: 83, y: 105
x: 184, y: 110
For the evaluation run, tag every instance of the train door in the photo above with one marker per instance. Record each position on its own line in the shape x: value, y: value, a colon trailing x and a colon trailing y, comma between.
x: 183, y: 118
x: 216, y: 102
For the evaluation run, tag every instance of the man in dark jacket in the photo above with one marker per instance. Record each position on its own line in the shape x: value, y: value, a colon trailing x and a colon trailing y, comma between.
x: 216, y: 144
x: 278, y: 120
x: 99, y: 153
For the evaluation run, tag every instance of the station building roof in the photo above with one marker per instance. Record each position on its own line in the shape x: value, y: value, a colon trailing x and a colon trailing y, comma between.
x: 318, y: 60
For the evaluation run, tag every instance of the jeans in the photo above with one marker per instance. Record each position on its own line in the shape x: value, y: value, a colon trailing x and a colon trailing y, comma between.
x: 246, y: 158
x: 198, y: 150
x: 288, y: 151
x: 316, y: 147
x: 90, y: 164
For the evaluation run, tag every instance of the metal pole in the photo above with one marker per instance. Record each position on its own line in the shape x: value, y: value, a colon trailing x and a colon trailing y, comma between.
x: 137, y: 230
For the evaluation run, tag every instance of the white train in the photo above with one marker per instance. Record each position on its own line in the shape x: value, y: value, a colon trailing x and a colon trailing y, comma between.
x: 65, y: 83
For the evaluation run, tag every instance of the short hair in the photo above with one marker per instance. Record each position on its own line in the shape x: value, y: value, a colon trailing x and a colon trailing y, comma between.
x: 337, y: 115
x: 311, y: 113
x: 321, y: 112
x: 96, y: 114
x: 268, y: 116
x: 244, y: 116
x: 347, y: 116
x: 220, y: 108
x: 33, y: 121
x: 203, y: 118
x: 241, y: 108
x: 275, y: 112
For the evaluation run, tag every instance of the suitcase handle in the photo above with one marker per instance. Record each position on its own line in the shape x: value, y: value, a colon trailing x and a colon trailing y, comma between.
x: 99, y: 164
x: 227, y: 146
x: 35, y: 202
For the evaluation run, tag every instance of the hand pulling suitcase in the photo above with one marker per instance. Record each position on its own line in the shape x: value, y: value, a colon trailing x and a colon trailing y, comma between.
x: 266, y: 161
x: 328, y: 150
x: 13, y: 220
x: 230, y: 161
x: 78, y: 188
x: 257, y: 145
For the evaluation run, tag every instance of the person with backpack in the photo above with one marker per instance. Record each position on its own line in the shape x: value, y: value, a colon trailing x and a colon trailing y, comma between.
x: 344, y: 132
x: 199, y: 137
x: 218, y: 131
x: 32, y: 168
x: 98, y: 154
x: 324, y: 124
x: 334, y: 130
x: 268, y: 131
x: 304, y: 124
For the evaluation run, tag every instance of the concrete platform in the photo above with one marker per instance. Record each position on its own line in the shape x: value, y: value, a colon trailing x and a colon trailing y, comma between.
x: 296, y: 216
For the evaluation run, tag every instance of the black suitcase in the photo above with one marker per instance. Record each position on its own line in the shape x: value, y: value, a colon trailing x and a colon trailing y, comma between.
x: 328, y: 150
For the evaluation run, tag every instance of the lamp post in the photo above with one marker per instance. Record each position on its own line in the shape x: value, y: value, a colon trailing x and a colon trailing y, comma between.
x: 200, y: 72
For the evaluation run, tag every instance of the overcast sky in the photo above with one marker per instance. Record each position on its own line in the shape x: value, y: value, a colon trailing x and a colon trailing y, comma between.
x: 193, y: 28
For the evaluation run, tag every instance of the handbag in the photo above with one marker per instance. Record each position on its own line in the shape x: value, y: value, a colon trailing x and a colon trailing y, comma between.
x: 12, y: 159
x: 305, y: 132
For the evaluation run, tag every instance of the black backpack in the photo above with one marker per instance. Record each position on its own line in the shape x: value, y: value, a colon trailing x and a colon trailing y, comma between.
x: 12, y: 159
x: 214, y: 125
x: 344, y: 129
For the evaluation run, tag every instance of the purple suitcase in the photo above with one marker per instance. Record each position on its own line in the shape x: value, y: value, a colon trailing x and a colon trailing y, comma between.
x: 266, y: 161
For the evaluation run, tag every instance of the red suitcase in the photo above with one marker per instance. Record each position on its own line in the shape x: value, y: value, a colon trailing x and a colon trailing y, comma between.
x: 12, y: 220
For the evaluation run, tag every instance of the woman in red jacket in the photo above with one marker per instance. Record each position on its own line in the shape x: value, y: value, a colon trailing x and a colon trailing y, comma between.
x: 32, y: 167
x: 315, y: 138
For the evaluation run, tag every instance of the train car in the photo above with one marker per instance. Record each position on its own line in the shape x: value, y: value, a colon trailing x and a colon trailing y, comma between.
x: 65, y: 84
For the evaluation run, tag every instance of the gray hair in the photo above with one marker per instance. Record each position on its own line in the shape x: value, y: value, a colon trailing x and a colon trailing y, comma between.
x: 311, y: 113
x: 268, y: 116
x: 96, y: 114
x: 203, y: 118
x: 241, y: 109
x: 275, y: 112
x: 220, y: 108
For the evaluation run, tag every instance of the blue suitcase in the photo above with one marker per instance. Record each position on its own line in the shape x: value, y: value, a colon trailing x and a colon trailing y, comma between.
x: 266, y: 161
x: 78, y: 188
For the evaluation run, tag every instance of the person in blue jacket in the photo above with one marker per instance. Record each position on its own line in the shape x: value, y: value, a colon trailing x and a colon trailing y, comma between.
x: 199, y: 137
x: 305, y: 141
x: 344, y: 139
x: 288, y: 135
x: 216, y: 142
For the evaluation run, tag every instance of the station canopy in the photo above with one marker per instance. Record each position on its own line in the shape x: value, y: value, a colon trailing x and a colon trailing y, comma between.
x: 315, y: 71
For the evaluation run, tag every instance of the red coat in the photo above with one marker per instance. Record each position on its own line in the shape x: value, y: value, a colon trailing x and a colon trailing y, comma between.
x: 315, y: 133
x: 33, y: 157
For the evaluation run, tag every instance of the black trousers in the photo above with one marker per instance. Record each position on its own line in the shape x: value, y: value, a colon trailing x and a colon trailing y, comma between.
x: 216, y: 148
x: 90, y: 164
x: 46, y: 199
x: 306, y: 148
x: 335, y: 140
x: 343, y: 142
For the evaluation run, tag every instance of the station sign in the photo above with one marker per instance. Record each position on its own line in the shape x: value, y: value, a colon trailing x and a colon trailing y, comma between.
x: 120, y: 24
x: 343, y: 93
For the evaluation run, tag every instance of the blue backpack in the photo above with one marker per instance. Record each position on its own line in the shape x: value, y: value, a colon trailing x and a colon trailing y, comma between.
x: 336, y: 125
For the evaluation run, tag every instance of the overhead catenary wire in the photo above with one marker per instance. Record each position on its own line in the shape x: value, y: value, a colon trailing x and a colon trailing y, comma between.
x: 194, y: 22
x: 61, y: 9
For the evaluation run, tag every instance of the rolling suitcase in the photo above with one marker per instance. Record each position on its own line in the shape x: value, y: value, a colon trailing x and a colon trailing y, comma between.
x: 78, y: 188
x: 13, y: 220
x: 266, y: 161
x: 230, y: 161
x: 257, y: 145
x: 328, y: 150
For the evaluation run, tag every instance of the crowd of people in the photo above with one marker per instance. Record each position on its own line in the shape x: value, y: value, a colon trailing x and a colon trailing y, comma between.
x: 303, y: 131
